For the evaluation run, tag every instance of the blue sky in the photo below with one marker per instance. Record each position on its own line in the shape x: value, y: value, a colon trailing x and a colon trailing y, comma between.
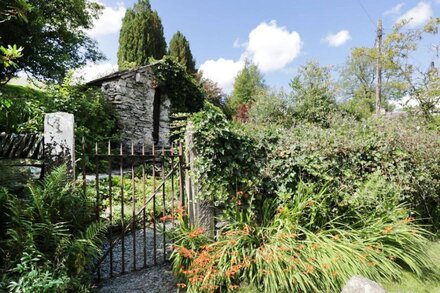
x: 277, y: 35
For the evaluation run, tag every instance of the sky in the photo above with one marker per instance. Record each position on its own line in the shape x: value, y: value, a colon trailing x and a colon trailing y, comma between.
x: 278, y: 35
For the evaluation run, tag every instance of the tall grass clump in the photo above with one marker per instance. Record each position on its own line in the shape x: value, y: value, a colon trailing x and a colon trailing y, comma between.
x: 287, y: 246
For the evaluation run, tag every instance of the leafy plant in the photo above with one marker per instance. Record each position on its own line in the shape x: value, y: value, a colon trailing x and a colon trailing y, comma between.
x: 294, y: 249
x: 50, y: 240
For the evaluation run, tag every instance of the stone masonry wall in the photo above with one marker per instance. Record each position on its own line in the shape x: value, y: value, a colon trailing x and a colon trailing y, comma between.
x: 132, y: 94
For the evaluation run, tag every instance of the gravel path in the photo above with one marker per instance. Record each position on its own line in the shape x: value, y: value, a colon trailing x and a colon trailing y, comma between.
x: 157, y: 278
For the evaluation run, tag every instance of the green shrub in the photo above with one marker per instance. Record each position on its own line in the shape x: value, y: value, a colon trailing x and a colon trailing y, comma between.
x: 95, y: 118
x: 20, y: 109
x: 293, y: 248
x: 227, y: 160
x: 401, y: 151
x: 48, y: 237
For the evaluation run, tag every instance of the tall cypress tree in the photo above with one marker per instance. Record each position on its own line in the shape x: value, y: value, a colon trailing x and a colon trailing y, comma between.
x: 179, y: 48
x: 141, y: 36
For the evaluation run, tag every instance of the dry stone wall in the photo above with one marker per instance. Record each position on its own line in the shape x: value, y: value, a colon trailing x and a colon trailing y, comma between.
x: 133, y: 93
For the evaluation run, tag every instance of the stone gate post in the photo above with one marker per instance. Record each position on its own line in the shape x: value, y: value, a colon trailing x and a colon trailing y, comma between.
x: 59, y: 142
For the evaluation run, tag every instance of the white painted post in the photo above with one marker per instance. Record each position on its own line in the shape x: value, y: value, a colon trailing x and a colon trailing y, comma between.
x: 59, y: 141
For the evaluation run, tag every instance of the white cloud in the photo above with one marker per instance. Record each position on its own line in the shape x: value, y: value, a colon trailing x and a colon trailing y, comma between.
x: 109, y: 22
x: 417, y: 15
x: 222, y: 71
x: 338, y: 39
x: 269, y: 46
x: 239, y: 44
x: 272, y: 47
x: 93, y: 71
x: 395, y: 10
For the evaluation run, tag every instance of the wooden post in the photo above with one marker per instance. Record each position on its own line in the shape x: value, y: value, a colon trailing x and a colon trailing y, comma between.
x: 379, y: 67
x: 200, y: 211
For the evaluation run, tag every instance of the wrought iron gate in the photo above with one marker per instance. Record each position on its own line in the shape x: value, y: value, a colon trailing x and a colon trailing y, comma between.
x: 136, y: 191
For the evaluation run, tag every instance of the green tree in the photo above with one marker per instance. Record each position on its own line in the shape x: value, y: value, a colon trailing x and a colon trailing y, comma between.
x: 141, y: 36
x: 179, y: 48
x: 411, y: 79
x: 248, y: 83
x: 357, y: 83
x: 52, y: 34
x: 313, y: 94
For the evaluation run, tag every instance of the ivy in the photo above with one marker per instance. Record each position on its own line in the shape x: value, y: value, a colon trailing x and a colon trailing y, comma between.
x: 180, y: 86
x: 227, y: 161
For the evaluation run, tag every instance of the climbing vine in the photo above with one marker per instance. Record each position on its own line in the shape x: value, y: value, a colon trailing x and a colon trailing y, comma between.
x: 227, y: 161
x: 180, y: 86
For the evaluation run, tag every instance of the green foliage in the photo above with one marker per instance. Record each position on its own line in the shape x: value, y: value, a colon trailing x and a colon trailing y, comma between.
x: 180, y: 86
x: 294, y: 249
x: 52, y: 33
x: 270, y: 108
x: 141, y: 36
x: 23, y: 110
x: 35, y: 277
x: 20, y: 109
x: 402, y: 151
x: 179, y: 48
x: 408, y: 77
x: 313, y: 96
x: 212, y: 92
x: 247, y: 84
x: 224, y: 164
x: 95, y: 117
x: 10, y: 53
x: 49, y: 239
x: 347, y: 156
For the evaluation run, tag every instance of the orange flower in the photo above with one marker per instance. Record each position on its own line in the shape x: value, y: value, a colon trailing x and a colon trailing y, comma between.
x: 388, y: 229
x: 197, y: 232
x: 181, y: 210
x: 166, y: 218
x: 315, y: 245
x: 185, y: 252
x: 408, y: 220
x: 247, y: 230
x: 181, y: 285
x: 335, y: 237
x: 310, y: 269
x: 326, y: 266
x: 301, y: 246
x: 232, y: 287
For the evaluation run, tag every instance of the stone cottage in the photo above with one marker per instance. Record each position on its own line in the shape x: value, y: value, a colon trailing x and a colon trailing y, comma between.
x: 143, y: 109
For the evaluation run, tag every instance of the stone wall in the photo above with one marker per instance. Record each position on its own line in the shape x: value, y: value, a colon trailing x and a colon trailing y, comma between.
x: 132, y: 93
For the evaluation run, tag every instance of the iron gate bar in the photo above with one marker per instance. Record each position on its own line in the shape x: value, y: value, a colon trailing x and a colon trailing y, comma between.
x: 133, y: 207
x: 125, y: 229
x: 122, y: 208
x: 97, y: 196
x: 110, y: 207
x: 163, y: 202
x: 172, y: 186
x: 154, y: 207
x: 144, y: 212
x: 160, y: 161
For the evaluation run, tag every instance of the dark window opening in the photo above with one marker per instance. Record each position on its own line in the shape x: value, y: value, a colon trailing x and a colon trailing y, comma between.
x: 156, y: 115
